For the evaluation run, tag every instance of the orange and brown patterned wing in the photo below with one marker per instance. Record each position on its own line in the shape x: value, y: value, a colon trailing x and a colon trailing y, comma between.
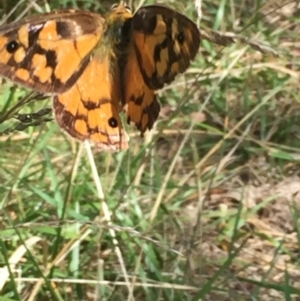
x: 142, y: 107
x: 49, y: 52
x: 90, y: 109
x: 163, y: 44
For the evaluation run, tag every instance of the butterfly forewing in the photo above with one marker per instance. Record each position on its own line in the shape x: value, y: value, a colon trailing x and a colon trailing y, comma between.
x: 165, y: 42
x: 49, y: 52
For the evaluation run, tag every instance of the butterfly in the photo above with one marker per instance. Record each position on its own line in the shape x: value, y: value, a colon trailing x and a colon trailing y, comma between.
x: 95, y: 66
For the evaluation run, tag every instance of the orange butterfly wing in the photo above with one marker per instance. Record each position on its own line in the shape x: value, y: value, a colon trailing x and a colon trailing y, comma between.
x: 142, y: 105
x: 163, y: 44
x: 49, y: 52
x: 90, y: 109
x: 55, y: 54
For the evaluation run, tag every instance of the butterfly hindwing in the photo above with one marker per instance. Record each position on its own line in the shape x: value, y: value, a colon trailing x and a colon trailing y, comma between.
x: 49, y: 52
x: 165, y: 42
x: 89, y: 112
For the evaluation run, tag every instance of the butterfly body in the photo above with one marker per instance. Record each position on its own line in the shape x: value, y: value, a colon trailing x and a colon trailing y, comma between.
x: 94, y: 66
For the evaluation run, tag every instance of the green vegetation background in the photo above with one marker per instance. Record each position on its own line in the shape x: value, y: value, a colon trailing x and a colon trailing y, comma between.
x: 237, y: 106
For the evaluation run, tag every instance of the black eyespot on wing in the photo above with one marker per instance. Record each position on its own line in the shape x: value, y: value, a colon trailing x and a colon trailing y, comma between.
x: 180, y: 37
x: 12, y: 46
x: 113, y: 122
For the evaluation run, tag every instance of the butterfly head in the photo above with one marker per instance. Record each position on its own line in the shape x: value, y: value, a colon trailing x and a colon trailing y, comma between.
x: 118, y: 22
x: 121, y: 8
